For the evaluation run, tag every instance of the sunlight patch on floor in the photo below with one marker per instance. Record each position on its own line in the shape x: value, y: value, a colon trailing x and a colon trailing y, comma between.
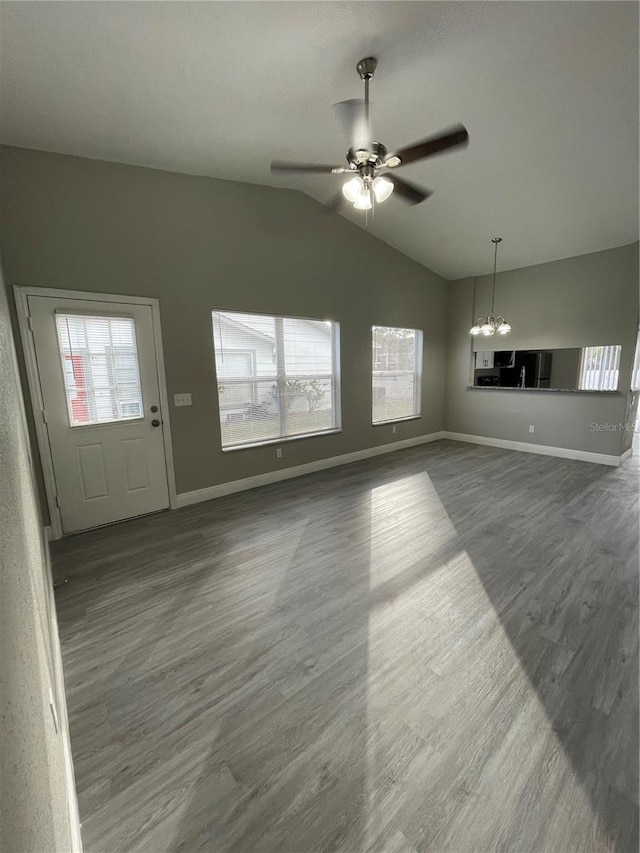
x: 458, y: 741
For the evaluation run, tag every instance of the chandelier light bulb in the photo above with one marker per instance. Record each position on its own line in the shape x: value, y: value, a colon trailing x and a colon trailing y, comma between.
x: 353, y: 189
x: 363, y: 202
x: 487, y: 330
x: 475, y: 329
x: 382, y: 188
x: 503, y: 327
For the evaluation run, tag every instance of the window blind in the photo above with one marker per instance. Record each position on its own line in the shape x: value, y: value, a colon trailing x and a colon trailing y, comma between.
x: 277, y: 376
x: 100, y: 368
x: 600, y: 368
x: 396, y: 363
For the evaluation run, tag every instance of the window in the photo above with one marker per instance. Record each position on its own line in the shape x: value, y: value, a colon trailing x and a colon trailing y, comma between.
x: 397, y: 361
x: 100, y: 368
x: 277, y: 377
x: 635, y: 373
x: 599, y: 368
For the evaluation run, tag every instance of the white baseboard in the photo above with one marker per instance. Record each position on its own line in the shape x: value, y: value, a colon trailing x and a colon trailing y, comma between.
x: 219, y: 491
x: 542, y: 449
x: 211, y: 492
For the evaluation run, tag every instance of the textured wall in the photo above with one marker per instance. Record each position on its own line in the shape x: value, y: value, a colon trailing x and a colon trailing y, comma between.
x: 576, y: 302
x: 33, y: 798
x: 197, y: 244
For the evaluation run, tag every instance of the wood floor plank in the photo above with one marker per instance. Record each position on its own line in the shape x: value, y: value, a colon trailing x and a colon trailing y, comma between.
x: 435, y: 651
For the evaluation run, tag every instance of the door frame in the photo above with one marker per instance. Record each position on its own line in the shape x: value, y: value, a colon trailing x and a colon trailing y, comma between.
x: 21, y: 294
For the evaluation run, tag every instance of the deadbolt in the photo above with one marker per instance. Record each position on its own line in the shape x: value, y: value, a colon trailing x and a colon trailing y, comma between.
x: 155, y: 422
x: 154, y: 408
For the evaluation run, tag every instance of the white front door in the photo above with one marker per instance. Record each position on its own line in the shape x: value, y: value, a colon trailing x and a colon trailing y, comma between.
x: 99, y: 381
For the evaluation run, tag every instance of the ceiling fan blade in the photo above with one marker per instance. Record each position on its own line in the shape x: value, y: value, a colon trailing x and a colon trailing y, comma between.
x: 351, y: 116
x: 450, y: 138
x: 411, y: 193
x: 281, y: 167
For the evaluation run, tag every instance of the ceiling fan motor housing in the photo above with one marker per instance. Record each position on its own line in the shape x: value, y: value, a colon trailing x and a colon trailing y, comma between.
x: 371, y: 158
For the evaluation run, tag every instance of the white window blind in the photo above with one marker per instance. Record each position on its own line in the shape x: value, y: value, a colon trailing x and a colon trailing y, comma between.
x: 635, y: 375
x: 397, y: 359
x: 599, y: 368
x: 277, y: 376
x: 100, y: 368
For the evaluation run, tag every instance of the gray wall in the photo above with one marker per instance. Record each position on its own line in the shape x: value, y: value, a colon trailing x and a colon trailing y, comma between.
x: 197, y: 244
x: 33, y: 795
x: 582, y: 301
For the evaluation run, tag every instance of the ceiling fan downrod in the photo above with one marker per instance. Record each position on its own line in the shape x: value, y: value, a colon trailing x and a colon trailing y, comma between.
x: 366, y: 68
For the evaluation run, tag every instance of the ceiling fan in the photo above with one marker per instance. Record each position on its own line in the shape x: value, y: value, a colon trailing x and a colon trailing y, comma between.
x: 370, y: 166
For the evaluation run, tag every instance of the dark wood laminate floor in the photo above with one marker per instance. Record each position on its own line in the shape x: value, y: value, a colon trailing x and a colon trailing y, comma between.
x: 434, y: 650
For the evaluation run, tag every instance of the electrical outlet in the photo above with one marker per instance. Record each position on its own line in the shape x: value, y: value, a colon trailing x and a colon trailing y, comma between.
x: 182, y: 399
x: 532, y: 428
x: 393, y: 429
x: 278, y: 453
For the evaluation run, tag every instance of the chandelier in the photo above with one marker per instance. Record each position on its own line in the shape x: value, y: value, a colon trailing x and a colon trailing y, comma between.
x: 490, y: 325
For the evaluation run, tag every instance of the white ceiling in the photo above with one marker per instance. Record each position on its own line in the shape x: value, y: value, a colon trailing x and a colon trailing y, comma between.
x: 548, y: 92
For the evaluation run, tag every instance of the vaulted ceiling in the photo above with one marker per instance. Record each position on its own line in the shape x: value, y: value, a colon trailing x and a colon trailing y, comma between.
x: 548, y: 92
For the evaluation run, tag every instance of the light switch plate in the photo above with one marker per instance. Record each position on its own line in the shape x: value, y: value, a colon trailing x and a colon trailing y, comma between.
x: 182, y: 399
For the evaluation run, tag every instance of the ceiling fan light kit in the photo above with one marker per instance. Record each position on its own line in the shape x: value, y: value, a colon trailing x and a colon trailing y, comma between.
x: 490, y: 325
x: 368, y: 162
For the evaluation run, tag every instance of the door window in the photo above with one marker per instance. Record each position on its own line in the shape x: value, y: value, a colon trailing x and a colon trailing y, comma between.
x: 100, y: 368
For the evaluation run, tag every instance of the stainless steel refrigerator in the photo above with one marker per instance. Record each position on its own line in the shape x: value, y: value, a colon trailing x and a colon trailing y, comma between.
x: 531, y: 370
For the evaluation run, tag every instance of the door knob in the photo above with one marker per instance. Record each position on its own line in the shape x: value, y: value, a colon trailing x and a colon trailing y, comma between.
x: 155, y: 422
x: 154, y: 409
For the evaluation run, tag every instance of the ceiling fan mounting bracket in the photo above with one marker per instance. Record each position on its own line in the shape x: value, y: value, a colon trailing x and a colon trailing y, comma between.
x: 366, y: 67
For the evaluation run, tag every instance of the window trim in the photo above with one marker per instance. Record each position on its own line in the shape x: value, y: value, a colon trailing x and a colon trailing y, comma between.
x: 280, y: 377
x: 634, y: 384
x: 397, y: 420
x: 249, y: 445
x: 417, y: 373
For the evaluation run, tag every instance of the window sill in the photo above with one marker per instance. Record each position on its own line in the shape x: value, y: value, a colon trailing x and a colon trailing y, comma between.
x: 287, y: 438
x: 396, y: 420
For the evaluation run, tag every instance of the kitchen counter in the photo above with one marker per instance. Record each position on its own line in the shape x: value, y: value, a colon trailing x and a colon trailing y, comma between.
x: 538, y: 390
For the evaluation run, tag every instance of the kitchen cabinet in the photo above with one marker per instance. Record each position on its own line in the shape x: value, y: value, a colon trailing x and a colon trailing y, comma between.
x: 484, y: 360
